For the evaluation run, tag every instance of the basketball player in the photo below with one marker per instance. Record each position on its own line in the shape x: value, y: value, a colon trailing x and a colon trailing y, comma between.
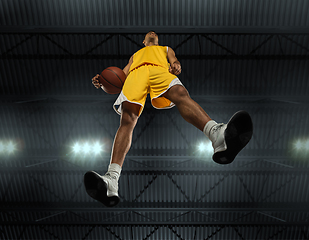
x: 154, y: 69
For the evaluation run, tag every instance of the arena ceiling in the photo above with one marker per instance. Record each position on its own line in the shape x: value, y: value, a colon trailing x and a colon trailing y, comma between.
x: 235, y: 55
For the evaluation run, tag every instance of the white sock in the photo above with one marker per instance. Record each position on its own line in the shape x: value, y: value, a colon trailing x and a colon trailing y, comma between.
x: 114, y: 170
x: 208, y: 127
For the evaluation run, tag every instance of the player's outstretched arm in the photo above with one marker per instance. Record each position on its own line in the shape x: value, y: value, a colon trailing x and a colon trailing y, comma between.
x: 175, y: 64
x: 127, y: 68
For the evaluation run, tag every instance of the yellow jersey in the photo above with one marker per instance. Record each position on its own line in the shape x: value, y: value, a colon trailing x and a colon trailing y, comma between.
x: 156, y: 55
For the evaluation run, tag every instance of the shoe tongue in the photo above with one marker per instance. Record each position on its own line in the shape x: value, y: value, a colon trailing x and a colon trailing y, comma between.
x: 214, y: 132
x: 217, y: 127
x: 113, y: 175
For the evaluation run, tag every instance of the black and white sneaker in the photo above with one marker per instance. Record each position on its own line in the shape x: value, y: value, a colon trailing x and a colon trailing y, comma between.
x: 229, y: 139
x: 102, y: 188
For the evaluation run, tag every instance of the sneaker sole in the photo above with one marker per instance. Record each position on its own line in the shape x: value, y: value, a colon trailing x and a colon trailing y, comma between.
x: 97, y: 189
x: 237, y: 134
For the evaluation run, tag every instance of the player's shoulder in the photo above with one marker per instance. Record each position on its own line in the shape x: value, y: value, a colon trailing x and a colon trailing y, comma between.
x: 170, y: 50
x: 165, y: 48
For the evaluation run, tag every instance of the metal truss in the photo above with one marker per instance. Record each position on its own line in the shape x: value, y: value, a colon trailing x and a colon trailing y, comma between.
x: 164, y: 207
x: 108, y: 37
x: 64, y: 230
x: 161, y: 30
x: 206, y: 218
x: 65, y: 203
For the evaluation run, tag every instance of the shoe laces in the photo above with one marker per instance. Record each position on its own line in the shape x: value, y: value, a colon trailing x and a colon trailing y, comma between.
x: 110, y: 176
x: 217, y: 127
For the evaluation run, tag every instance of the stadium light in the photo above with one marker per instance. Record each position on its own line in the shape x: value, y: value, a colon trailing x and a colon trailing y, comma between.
x: 300, y: 148
x: 301, y: 145
x: 298, y: 145
x: 205, y: 147
x: 76, y: 148
x: 7, y: 147
x: 97, y: 148
x: 87, y: 148
x: 10, y: 147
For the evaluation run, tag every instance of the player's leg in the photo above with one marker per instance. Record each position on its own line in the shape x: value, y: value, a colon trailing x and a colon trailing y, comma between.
x: 105, y: 188
x: 191, y: 111
x: 123, y: 137
x: 227, y: 139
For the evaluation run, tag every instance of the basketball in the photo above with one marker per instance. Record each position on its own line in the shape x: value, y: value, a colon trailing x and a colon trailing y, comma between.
x: 112, y: 80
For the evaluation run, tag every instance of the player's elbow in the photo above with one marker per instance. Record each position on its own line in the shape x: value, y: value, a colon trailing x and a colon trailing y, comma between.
x: 126, y: 70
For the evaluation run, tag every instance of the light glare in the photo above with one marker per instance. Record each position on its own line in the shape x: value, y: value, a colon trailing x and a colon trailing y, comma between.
x: 10, y: 147
x: 86, y: 148
x: 97, y: 148
x: 299, y: 145
x: 306, y: 145
x: 201, y: 147
x: 1, y: 147
x: 205, y: 147
x: 76, y: 148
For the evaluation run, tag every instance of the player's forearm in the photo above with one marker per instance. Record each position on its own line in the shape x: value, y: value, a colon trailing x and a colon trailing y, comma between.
x: 126, y: 70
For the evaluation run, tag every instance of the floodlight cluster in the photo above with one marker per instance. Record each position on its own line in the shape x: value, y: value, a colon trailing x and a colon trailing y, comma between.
x: 301, y: 145
x: 205, y: 147
x: 7, y: 147
x: 87, y: 148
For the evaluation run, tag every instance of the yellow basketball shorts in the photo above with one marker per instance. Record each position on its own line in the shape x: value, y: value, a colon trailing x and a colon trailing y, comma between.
x: 145, y: 79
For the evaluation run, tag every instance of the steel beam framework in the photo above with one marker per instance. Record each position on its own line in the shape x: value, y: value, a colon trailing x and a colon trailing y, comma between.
x: 50, y: 210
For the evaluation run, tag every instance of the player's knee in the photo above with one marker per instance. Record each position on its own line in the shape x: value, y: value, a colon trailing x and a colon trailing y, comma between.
x: 129, y: 114
x: 178, y: 93
x: 128, y: 118
x: 182, y: 92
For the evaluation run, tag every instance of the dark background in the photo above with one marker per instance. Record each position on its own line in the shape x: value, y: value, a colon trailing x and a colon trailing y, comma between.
x: 235, y: 55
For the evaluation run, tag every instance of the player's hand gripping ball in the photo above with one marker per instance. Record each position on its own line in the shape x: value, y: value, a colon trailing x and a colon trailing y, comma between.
x: 111, y: 80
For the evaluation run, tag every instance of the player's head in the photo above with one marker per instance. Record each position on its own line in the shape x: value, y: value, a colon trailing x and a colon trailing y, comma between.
x: 151, y: 37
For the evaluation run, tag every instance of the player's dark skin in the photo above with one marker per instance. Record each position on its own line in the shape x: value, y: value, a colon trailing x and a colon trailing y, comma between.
x: 188, y: 108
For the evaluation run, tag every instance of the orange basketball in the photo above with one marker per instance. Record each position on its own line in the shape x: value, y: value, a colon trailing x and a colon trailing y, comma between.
x: 112, y: 80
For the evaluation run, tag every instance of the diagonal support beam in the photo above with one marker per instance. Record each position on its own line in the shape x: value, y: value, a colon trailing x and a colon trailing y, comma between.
x: 16, y: 45
x: 214, y: 232
x: 260, y: 45
x: 179, y: 188
x: 246, y: 188
x: 58, y: 45
x: 183, y: 42
x: 299, y: 45
x: 98, y: 45
x: 42, y: 185
x: 145, y: 187
x: 152, y: 232
x: 131, y: 40
x: 175, y: 232
x: 219, y: 45
x: 238, y: 233
x: 213, y: 187
x: 279, y: 188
